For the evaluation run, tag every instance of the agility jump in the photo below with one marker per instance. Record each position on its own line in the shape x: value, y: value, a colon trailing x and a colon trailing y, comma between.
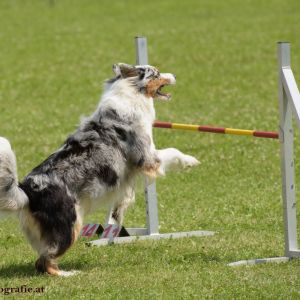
x: 289, y: 104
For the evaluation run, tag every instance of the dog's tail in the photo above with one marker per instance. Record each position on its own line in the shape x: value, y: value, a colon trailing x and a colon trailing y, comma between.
x: 12, y: 197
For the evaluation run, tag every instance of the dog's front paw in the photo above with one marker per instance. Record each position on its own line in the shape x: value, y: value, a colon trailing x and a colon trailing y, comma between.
x: 189, y: 161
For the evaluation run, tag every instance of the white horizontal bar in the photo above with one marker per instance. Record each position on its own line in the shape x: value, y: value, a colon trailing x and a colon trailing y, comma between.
x: 292, y: 92
x: 258, y: 261
x: 130, y: 239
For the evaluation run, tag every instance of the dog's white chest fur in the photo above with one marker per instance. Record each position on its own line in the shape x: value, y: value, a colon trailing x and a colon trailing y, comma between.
x: 129, y: 104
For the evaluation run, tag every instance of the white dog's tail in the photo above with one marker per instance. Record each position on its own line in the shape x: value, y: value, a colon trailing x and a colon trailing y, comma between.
x: 12, y: 198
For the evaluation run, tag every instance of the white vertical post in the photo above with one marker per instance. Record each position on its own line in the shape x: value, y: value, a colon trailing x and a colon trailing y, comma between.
x: 141, y: 51
x: 287, y: 155
x: 150, y: 190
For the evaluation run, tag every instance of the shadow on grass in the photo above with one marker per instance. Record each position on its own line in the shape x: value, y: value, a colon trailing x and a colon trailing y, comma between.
x: 28, y: 269
x: 19, y: 270
x: 77, y: 265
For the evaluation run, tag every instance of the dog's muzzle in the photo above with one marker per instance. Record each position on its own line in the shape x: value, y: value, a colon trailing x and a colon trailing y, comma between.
x: 166, y: 79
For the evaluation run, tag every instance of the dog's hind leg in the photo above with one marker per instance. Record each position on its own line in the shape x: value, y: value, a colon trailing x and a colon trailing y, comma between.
x: 46, y: 264
x: 127, y: 197
x: 50, y: 247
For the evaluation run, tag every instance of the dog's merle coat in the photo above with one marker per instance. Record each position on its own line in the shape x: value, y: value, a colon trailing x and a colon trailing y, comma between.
x: 97, y: 151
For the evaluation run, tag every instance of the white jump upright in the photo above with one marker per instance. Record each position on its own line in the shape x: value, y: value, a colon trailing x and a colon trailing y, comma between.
x: 150, y: 189
x: 289, y: 105
x: 151, y: 232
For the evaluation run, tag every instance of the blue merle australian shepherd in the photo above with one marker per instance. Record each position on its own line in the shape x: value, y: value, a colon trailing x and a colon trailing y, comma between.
x: 97, y: 164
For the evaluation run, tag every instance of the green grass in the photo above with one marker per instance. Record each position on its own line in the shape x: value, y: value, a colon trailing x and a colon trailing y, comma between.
x: 53, y: 61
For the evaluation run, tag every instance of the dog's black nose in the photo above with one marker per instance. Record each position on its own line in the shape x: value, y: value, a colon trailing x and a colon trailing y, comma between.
x: 174, y: 76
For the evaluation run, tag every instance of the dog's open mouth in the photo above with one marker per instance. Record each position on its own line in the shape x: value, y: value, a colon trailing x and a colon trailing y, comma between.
x: 162, y: 96
x: 166, y: 79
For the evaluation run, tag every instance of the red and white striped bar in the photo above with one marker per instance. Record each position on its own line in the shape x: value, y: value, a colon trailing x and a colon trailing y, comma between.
x: 255, y: 133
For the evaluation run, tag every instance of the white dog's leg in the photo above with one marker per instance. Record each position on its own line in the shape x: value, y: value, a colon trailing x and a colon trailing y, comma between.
x: 174, y: 160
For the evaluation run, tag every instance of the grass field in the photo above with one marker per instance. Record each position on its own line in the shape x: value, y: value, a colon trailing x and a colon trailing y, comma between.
x: 54, y: 57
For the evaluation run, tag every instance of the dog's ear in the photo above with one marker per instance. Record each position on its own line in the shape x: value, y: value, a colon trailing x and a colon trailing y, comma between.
x: 116, y: 69
x: 125, y: 70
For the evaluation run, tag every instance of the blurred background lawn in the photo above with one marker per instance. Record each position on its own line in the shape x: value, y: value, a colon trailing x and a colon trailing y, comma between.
x: 54, y: 58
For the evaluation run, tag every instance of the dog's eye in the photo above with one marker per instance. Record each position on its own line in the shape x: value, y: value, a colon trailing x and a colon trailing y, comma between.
x: 141, y: 74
